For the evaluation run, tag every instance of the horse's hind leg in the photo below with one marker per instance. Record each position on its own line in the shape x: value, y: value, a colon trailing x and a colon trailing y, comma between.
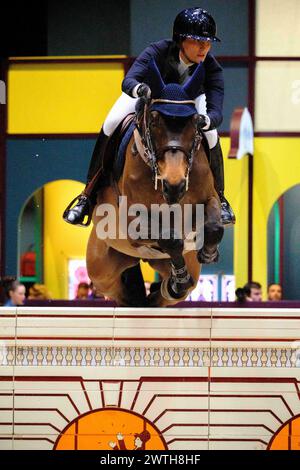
x: 213, y: 233
x: 133, y: 283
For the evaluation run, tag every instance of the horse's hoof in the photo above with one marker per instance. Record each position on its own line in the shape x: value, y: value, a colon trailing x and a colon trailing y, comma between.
x: 177, y: 289
x: 208, y: 258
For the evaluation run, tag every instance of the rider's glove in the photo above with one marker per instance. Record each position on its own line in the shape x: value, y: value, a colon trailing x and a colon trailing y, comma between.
x: 144, y: 91
x: 203, y: 122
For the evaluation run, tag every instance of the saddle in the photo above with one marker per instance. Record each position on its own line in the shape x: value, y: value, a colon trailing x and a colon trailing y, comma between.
x: 114, y: 157
x: 124, y: 138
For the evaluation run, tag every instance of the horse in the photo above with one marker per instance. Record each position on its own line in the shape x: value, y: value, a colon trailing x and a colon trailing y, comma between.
x: 166, y: 167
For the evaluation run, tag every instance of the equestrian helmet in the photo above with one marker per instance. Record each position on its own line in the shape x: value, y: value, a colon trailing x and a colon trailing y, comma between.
x: 194, y: 23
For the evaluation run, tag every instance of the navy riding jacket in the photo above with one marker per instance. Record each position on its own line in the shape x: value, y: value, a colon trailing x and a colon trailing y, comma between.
x: 166, y: 55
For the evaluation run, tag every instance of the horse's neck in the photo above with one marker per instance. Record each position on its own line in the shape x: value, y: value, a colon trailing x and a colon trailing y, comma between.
x: 136, y: 182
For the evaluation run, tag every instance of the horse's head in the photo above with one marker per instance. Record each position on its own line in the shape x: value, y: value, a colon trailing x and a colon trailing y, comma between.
x: 170, y: 133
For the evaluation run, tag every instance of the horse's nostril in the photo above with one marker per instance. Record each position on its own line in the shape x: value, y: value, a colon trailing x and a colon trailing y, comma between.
x: 173, y: 192
x: 182, y: 185
x: 173, y: 188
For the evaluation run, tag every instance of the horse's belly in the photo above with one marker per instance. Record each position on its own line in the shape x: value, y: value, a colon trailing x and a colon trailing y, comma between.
x: 138, y: 251
x: 145, y: 251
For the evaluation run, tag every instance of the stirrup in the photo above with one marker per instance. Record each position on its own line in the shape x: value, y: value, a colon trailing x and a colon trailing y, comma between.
x: 230, y: 220
x: 228, y: 224
x: 89, y: 215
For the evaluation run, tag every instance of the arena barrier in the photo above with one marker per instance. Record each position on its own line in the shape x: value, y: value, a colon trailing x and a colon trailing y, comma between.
x: 91, y: 378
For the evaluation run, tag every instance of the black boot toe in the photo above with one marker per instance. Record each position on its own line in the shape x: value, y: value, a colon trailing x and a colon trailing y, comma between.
x: 76, y: 215
x: 227, y: 214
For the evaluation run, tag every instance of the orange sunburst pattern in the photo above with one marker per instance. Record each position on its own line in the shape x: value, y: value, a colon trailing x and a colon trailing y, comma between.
x: 110, y: 429
x: 288, y: 436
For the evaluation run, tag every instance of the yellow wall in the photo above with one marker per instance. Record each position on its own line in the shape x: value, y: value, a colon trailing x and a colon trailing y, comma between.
x: 276, y: 169
x: 61, y: 240
x: 61, y: 98
x: 148, y: 272
x: 236, y: 191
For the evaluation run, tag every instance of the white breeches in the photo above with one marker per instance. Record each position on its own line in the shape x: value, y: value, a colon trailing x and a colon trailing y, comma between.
x: 126, y: 105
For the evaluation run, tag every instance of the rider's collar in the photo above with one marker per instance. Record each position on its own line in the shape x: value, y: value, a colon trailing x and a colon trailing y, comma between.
x: 184, y: 64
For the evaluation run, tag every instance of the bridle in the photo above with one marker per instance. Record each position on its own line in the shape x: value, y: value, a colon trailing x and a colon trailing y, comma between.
x: 150, y: 156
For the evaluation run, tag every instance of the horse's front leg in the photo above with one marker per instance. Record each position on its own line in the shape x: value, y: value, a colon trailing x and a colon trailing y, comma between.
x: 180, y: 280
x: 213, y: 233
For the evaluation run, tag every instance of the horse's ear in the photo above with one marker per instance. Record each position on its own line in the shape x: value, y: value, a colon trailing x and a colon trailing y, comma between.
x: 192, y: 86
x: 154, y: 79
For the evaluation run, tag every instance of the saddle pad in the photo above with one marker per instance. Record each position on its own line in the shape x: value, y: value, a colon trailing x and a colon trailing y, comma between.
x: 120, y: 158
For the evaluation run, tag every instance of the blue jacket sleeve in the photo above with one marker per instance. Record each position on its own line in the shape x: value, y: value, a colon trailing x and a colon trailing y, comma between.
x: 139, y: 68
x: 214, y: 91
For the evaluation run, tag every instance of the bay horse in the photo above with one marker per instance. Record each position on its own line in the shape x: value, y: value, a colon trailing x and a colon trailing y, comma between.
x: 166, y: 146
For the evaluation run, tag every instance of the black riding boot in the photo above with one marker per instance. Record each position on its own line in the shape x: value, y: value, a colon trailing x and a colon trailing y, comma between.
x: 87, y: 199
x: 217, y: 168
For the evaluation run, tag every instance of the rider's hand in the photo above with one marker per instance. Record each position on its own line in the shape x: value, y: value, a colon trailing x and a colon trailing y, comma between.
x: 203, y: 122
x: 144, y: 91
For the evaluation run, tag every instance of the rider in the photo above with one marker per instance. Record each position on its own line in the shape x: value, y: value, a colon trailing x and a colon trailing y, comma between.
x: 194, y: 31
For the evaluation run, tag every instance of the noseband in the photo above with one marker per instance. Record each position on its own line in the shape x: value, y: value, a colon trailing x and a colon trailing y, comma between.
x: 151, y: 156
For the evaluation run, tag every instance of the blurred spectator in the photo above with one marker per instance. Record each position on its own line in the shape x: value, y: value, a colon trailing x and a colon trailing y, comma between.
x: 39, y: 292
x: 275, y: 292
x: 83, y: 291
x: 240, y: 295
x: 251, y: 292
x: 15, y: 292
